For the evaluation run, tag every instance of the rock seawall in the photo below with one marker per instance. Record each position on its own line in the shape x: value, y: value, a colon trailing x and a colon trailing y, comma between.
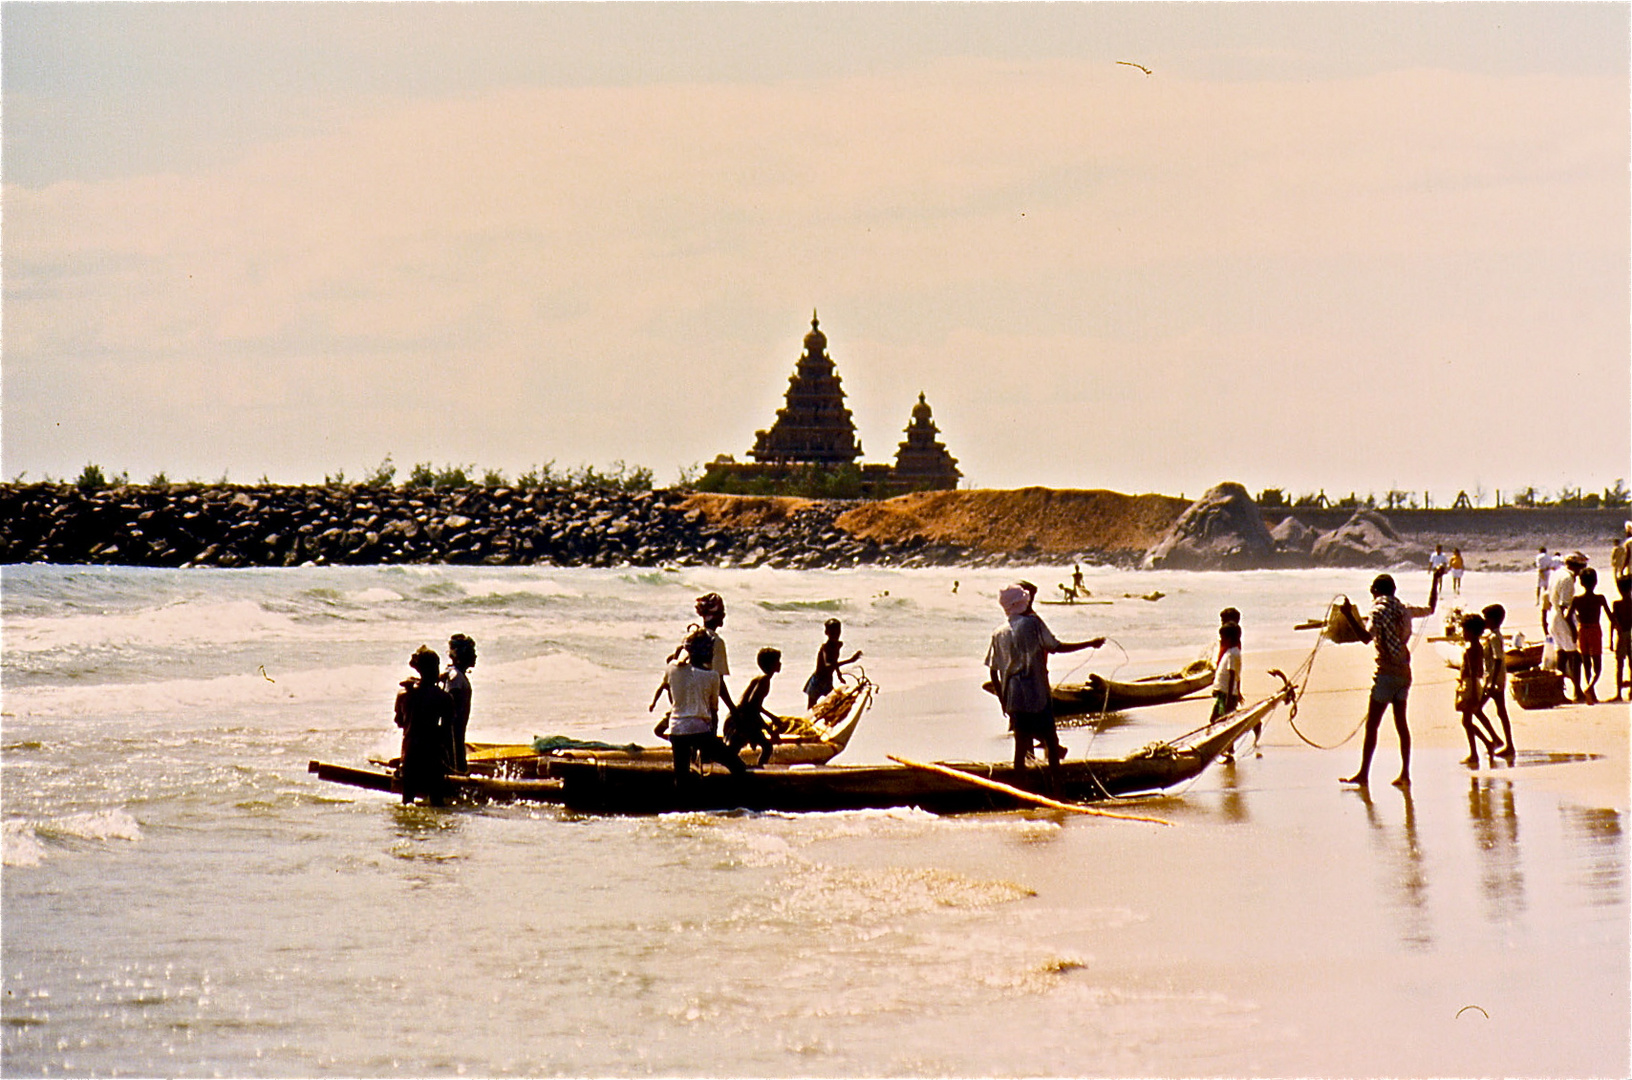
x: 245, y: 526
x: 271, y: 525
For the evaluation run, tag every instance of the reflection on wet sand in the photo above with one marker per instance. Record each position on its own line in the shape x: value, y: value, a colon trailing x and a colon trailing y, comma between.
x: 1233, y: 802
x: 1409, y: 881
x: 1597, y: 851
x: 1496, y: 833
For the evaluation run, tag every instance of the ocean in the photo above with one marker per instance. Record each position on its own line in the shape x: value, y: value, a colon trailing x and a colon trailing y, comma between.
x: 181, y: 898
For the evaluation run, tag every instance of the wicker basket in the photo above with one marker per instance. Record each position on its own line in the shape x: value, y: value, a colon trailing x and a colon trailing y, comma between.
x: 1538, y: 688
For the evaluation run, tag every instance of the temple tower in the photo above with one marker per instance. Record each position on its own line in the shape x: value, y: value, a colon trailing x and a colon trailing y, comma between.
x: 814, y: 427
x: 922, y: 460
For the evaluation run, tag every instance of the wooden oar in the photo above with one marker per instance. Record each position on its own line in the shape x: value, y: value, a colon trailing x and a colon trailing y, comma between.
x: 1018, y: 793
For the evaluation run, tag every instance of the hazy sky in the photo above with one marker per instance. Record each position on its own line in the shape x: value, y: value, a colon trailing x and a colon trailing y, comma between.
x: 1356, y: 247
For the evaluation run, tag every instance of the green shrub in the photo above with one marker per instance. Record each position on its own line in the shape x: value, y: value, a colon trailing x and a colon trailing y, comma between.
x: 382, y: 474
x: 91, y: 478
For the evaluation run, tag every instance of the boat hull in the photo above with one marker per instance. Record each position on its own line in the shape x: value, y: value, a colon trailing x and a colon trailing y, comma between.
x: 1099, y: 694
x: 599, y: 787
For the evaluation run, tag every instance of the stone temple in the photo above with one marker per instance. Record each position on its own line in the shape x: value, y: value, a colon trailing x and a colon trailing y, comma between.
x: 814, y: 431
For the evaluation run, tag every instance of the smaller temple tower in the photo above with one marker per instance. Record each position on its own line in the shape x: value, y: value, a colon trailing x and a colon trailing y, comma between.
x: 922, y: 461
x: 814, y: 427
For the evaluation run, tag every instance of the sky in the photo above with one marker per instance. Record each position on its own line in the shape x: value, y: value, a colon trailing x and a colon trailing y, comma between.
x: 1339, y: 247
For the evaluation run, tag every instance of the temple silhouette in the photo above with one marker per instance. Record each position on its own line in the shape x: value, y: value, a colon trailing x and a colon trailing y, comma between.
x: 814, y: 436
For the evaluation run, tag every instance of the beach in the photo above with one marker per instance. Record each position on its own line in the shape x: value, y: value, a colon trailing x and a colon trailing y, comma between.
x: 1335, y: 701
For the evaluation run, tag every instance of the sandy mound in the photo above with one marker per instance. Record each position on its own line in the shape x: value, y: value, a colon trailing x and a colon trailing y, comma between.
x: 1049, y: 521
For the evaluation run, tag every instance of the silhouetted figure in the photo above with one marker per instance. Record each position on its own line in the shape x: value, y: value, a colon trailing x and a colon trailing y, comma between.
x: 749, y: 723
x: 1018, y: 662
x: 1495, y: 650
x: 820, y: 683
x: 1390, y: 631
x: 1588, y: 611
x: 694, y: 691
x: 1470, y: 692
x: 461, y: 658
x: 424, y: 713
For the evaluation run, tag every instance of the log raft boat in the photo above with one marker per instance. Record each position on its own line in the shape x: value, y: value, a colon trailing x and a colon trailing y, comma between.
x: 1099, y: 694
x: 632, y: 787
x: 812, y: 739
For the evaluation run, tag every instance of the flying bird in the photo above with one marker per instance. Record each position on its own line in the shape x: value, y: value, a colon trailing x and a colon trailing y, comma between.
x: 1130, y: 63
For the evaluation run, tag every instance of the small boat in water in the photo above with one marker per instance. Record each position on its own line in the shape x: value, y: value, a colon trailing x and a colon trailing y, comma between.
x: 1099, y: 694
x: 640, y: 789
x: 501, y: 772
x: 814, y: 738
x: 602, y: 785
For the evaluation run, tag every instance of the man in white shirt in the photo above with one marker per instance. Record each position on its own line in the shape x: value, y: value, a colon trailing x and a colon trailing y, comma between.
x: 1555, y: 615
x: 694, y: 691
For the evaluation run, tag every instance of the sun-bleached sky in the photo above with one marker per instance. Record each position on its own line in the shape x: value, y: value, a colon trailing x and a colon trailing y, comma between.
x: 1340, y: 246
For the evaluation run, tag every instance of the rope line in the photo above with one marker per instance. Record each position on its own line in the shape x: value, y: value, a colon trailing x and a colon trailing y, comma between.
x: 1306, y: 669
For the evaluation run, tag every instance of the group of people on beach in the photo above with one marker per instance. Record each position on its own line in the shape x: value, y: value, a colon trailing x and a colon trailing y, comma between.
x: 433, y: 711
x: 694, y: 681
x: 1574, y: 616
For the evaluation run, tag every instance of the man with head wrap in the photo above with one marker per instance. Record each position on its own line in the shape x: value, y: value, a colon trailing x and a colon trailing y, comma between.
x: 1018, y: 661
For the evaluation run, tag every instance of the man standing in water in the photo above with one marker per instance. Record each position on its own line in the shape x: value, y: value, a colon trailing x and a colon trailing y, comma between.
x: 461, y: 658
x: 1018, y: 661
x: 424, y: 712
x: 1390, y: 630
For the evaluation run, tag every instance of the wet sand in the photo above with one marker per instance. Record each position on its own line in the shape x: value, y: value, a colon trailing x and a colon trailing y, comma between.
x: 1552, y: 743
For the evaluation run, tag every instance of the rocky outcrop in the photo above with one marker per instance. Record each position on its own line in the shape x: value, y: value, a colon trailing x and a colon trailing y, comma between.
x: 1293, y: 537
x: 1222, y: 530
x: 1366, y: 539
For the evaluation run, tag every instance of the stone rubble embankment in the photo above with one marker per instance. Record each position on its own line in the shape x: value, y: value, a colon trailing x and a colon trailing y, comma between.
x: 266, y: 525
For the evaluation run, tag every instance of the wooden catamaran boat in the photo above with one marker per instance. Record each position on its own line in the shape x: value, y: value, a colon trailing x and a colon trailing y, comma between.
x: 1099, y: 694
x: 502, y: 772
x: 633, y: 787
x: 811, y: 739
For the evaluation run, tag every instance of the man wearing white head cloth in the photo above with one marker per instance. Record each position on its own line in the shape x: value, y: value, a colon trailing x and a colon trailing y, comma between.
x: 1018, y: 660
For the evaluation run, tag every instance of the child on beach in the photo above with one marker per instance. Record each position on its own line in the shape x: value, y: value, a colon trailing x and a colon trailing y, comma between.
x: 1586, y: 611
x: 1470, y: 693
x: 1620, y: 633
x: 1496, y: 676
x: 750, y: 723
x: 1227, y: 680
x: 1225, y: 618
x: 820, y: 683
x: 1457, y: 566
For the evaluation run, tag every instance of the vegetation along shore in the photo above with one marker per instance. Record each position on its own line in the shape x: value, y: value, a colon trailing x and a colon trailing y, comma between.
x: 610, y: 521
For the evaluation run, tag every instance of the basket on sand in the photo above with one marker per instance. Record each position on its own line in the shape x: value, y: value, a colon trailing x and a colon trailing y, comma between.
x: 1538, y: 688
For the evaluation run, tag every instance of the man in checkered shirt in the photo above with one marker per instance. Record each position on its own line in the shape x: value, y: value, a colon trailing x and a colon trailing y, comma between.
x: 1390, y: 631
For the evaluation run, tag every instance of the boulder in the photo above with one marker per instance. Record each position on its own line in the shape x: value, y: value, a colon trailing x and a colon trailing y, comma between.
x: 1366, y: 539
x: 1222, y: 530
x: 1293, y: 537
